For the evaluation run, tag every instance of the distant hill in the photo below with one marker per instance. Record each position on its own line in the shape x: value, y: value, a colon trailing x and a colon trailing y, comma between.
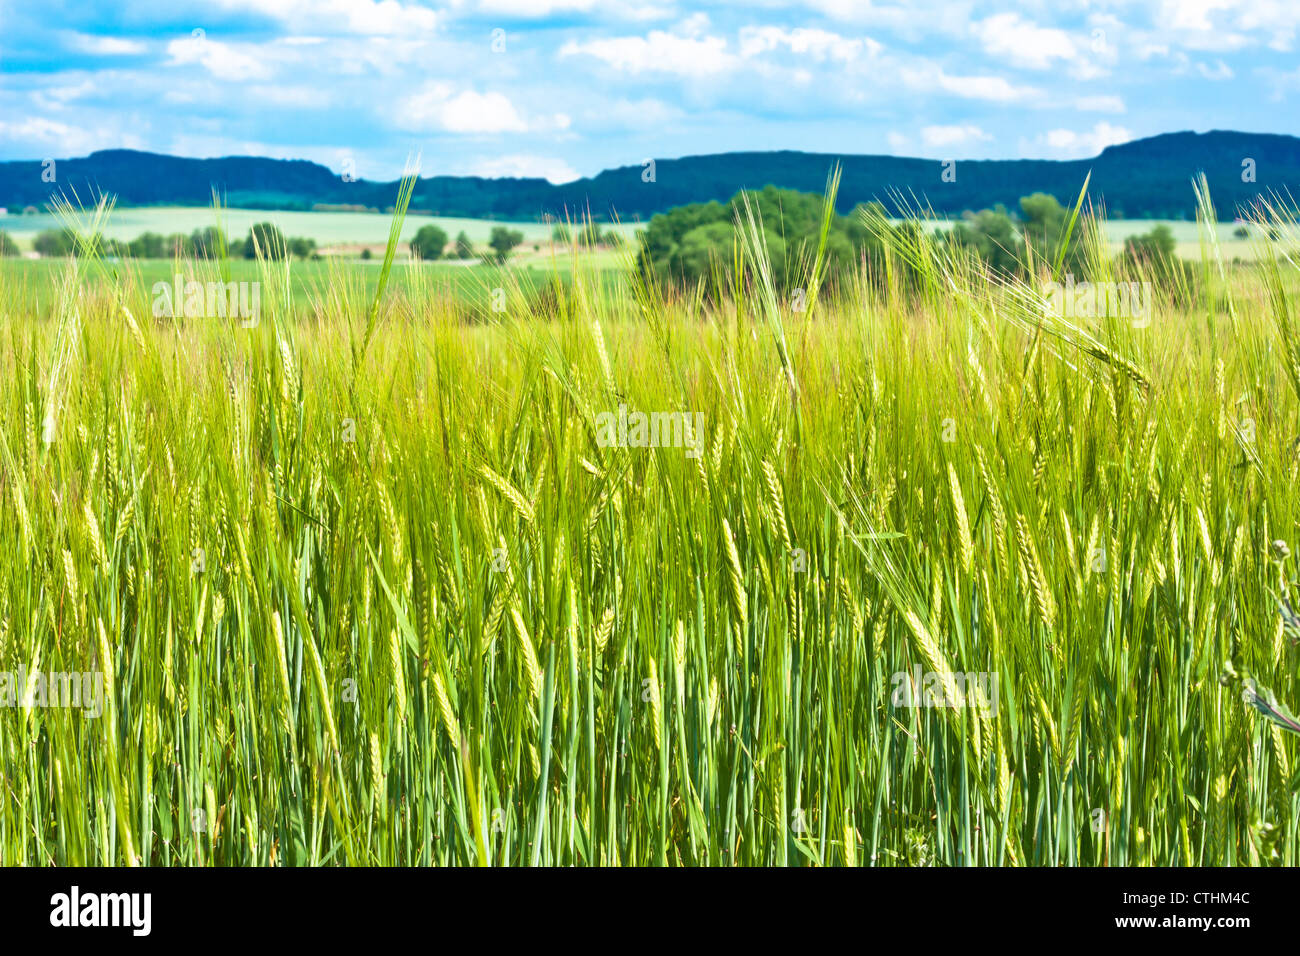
x: 1144, y: 179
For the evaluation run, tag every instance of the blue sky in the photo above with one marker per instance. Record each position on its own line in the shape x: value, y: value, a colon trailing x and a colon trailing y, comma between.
x: 563, y: 88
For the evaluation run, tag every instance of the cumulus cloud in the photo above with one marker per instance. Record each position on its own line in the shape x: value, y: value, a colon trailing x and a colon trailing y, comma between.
x: 1023, y: 43
x: 591, y: 83
x: 522, y: 165
x: 536, y: 9
x: 1100, y: 104
x: 367, y: 17
x: 929, y: 77
x: 439, y: 107
x: 224, y: 61
x: 105, y: 45
x: 1077, y: 142
x: 58, y: 139
x: 952, y: 135
x: 658, y: 52
x: 818, y: 45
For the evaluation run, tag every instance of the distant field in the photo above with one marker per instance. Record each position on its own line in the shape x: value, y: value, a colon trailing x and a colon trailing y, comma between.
x: 1117, y: 230
x: 361, y: 228
x: 327, y: 228
x: 30, y: 284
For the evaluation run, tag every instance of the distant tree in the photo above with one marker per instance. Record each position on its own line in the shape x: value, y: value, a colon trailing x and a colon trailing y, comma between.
x: 1154, y: 256
x: 1045, y: 226
x: 682, y: 244
x: 591, y: 235
x: 993, y: 236
x: 700, y: 246
x: 208, y: 242
x: 147, y: 245
x: 429, y: 243
x: 502, y: 240
x: 1241, y: 232
x: 366, y: 253
x: 464, y: 248
x: 267, y: 239
x: 55, y: 242
x: 176, y: 244
x: 8, y: 247
x: 561, y: 234
x: 302, y: 248
x: 1156, y: 246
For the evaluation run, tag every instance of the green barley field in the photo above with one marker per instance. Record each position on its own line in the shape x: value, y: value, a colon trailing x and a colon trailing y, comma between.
x: 368, y: 583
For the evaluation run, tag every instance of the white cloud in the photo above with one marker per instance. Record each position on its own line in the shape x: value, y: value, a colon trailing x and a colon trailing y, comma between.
x: 535, y: 8
x: 298, y: 97
x: 1100, y: 104
x: 222, y: 60
x: 1022, y: 42
x: 106, y: 46
x: 64, y: 139
x: 1087, y: 142
x: 1209, y: 24
x: 658, y: 52
x: 1220, y: 71
x: 526, y: 166
x: 820, y: 45
x: 465, y: 112
x: 56, y: 96
x: 952, y: 135
x: 1193, y: 14
x: 439, y: 107
x: 993, y: 88
x: 907, y: 18
x: 383, y: 17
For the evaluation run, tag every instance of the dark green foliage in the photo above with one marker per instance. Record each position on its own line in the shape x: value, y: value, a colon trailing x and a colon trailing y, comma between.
x: 464, y: 248
x: 992, y: 235
x: 682, y: 245
x: 429, y: 243
x: 147, y: 245
x: 502, y: 240
x: 1154, y: 254
x: 55, y: 242
x: 267, y: 239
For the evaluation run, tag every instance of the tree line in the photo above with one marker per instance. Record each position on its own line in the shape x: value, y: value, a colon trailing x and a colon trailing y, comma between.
x: 685, y: 244
x: 209, y: 242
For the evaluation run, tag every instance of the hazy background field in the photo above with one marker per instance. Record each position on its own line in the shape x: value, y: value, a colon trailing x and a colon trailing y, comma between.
x: 327, y: 228
x: 346, y: 232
